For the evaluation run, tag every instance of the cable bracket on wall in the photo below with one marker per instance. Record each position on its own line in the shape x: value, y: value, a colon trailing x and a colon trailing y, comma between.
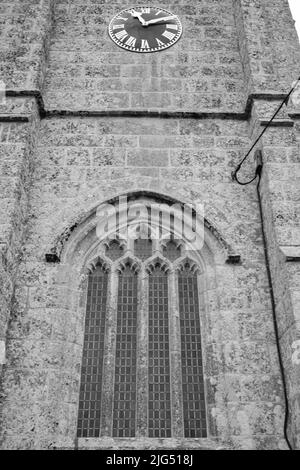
x: 234, y: 174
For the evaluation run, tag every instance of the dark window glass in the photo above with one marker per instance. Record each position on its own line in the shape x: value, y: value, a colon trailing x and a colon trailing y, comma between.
x: 159, y: 357
x: 114, y: 251
x: 124, y: 413
x: 192, y: 369
x: 143, y: 248
x: 124, y: 390
x: 172, y: 251
x: 92, y: 362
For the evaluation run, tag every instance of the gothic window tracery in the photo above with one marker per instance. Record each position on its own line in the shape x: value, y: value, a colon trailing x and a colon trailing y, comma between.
x: 133, y: 297
x: 172, y: 250
x: 114, y: 250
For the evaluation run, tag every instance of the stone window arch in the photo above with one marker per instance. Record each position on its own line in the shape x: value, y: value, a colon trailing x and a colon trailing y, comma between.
x: 142, y: 373
x: 81, y: 254
x: 90, y: 396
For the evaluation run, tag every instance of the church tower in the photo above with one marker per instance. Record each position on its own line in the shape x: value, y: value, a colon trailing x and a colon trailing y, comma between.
x: 118, y: 330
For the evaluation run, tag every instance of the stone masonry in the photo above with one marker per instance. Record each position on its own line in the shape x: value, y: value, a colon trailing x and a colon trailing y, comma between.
x: 84, y: 122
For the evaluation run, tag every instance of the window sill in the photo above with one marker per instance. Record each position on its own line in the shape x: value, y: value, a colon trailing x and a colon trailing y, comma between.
x: 107, y: 443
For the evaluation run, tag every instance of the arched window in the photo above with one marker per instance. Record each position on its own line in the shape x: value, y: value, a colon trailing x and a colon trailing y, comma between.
x: 93, y: 354
x: 142, y: 372
x: 191, y: 357
x: 124, y: 412
x: 159, y: 380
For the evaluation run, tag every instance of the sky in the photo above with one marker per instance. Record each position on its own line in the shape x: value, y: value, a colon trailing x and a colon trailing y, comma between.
x: 295, y: 7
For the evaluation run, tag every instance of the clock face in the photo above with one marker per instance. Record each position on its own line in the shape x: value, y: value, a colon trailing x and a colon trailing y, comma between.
x: 145, y: 29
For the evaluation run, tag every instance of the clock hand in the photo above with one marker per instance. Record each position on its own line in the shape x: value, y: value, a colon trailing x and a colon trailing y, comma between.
x: 136, y: 14
x: 158, y: 20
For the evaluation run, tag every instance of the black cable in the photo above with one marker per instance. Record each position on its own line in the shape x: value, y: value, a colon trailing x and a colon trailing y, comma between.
x: 285, y: 101
x: 273, y: 302
x: 246, y: 183
x: 258, y: 173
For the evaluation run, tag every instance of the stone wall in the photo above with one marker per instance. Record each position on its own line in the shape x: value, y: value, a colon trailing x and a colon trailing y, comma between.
x: 25, y: 28
x: 82, y: 162
x: 24, y: 33
x: 280, y: 198
x: 17, y: 141
x: 268, y: 44
x: 87, y: 71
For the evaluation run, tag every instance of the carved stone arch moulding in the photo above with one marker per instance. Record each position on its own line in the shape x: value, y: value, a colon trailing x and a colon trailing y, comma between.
x: 158, y: 262
x: 187, y: 264
x: 82, y: 235
x: 115, y: 238
x: 128, y: 262
x: 99, y: 261
x: 115, y: 248
x: 164, y: 241
x: 141, y: 230
x: 82, y: 251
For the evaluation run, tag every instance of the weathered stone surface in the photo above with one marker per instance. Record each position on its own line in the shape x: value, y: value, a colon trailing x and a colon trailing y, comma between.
x: 176, y: 78
x: 55, y: 171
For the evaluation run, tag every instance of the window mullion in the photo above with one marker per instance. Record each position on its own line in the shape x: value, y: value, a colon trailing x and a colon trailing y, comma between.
x: 175, y: 355
x: 142, y: 356
x: 109, y: 358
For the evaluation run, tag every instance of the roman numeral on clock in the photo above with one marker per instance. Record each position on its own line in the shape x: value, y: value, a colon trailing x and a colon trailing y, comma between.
x: 168, y: 35
x: 121, y: 35
x: 118, y: 26
x: 145, y: 10
x: 131, y: 41
x: 159, y: 43
x: 172, y: 26
x: 122, y: 19
x: 145, y: 44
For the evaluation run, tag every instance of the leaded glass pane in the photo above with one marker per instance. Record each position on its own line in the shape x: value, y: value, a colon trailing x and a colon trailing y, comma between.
x: 93, y: 352
x: 172, y: 251
x: 124, y: 413
x: 143, y: 248
x: 159, y: 356
x: 192, y: 368
x: 114, y: 251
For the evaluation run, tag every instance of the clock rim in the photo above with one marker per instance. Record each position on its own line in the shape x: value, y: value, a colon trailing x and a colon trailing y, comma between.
x: 151, y: 51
